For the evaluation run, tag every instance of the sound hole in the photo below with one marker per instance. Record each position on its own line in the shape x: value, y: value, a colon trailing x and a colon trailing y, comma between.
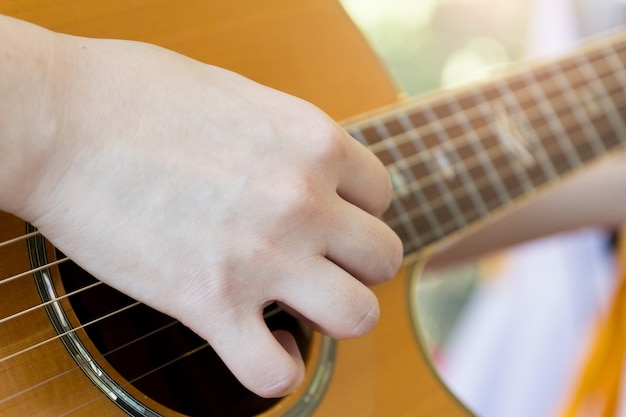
x: 162, y: 358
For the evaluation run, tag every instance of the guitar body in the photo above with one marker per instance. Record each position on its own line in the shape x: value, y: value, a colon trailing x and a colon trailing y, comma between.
x: 307, y: 48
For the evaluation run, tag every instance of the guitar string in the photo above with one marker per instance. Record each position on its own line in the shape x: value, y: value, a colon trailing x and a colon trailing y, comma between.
x: 449, y: 121
x: 428, y: 181
x: 50, y: 302
x: 96, y: 357
x: 474, y: 90
x: 100, y: 355
x: 129, y: 383
x: 67, y: 333
x: 33, y: 270
x: 19, y: 239
x: 117, y: 349
x: 82, y: 325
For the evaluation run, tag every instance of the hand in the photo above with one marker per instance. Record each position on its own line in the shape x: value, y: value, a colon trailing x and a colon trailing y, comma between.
x: 208, y: 197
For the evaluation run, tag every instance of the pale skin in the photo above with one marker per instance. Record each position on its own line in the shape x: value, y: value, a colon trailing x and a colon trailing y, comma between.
x: 195, y: 191
x: 208, y: 196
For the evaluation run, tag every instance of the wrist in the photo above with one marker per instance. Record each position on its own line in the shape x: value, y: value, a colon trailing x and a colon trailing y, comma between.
x: 27, y: 104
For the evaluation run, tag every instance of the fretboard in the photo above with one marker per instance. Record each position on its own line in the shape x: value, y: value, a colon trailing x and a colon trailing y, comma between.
x: 457, y: 157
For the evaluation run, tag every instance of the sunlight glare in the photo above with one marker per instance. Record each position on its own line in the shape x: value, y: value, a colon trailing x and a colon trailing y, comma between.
x: 476, y: 61
x: 370, y: 13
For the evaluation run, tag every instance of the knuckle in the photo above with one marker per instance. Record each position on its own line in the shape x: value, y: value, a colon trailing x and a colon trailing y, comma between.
x: 327, y: 145
x: 299, y: 201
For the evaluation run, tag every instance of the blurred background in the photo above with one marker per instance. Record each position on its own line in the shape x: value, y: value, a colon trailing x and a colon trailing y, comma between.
x: 528, y: 331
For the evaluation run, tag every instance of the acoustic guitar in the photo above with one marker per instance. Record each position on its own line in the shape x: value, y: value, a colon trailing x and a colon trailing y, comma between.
x: 70, y: 346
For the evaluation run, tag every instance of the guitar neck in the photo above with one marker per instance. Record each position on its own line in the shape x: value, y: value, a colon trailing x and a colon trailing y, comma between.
x: 457, y: 157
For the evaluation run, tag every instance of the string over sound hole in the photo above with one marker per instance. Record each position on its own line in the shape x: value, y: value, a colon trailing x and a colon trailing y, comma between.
x: 162, y: 358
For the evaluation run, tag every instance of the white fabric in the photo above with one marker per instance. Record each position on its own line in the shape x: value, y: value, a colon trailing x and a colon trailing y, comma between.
x: 514, y: 351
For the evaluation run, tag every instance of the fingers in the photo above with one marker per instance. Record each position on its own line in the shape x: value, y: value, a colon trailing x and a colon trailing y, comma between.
x: 320, y: 293
x: 363, y: 179
x: 269, y: 365
x: 331, y: 299
x: 363, y: 245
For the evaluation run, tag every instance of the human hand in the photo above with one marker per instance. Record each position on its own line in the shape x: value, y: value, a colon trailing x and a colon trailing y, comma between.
x: 208, y: 196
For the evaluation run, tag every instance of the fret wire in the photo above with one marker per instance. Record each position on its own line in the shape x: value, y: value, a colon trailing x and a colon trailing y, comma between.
x: 423, y: 202
x: 397, y: 205
x: 478, y: 149
x: 429, y: 237
x: 611, y: 112
x: 427, y: 159
x: 615, y: 64
x: 445, y: 160
x: 583, y: 118
x: 620, y: 72
x: 545, y: 159
x: 597, y: 87
x: 509, y: 98
x: 481, y: 208
x: 555, y: 124
x: 486, y: 109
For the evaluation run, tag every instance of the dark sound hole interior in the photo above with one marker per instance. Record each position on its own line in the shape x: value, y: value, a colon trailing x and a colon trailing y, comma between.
x: 161, y: 357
